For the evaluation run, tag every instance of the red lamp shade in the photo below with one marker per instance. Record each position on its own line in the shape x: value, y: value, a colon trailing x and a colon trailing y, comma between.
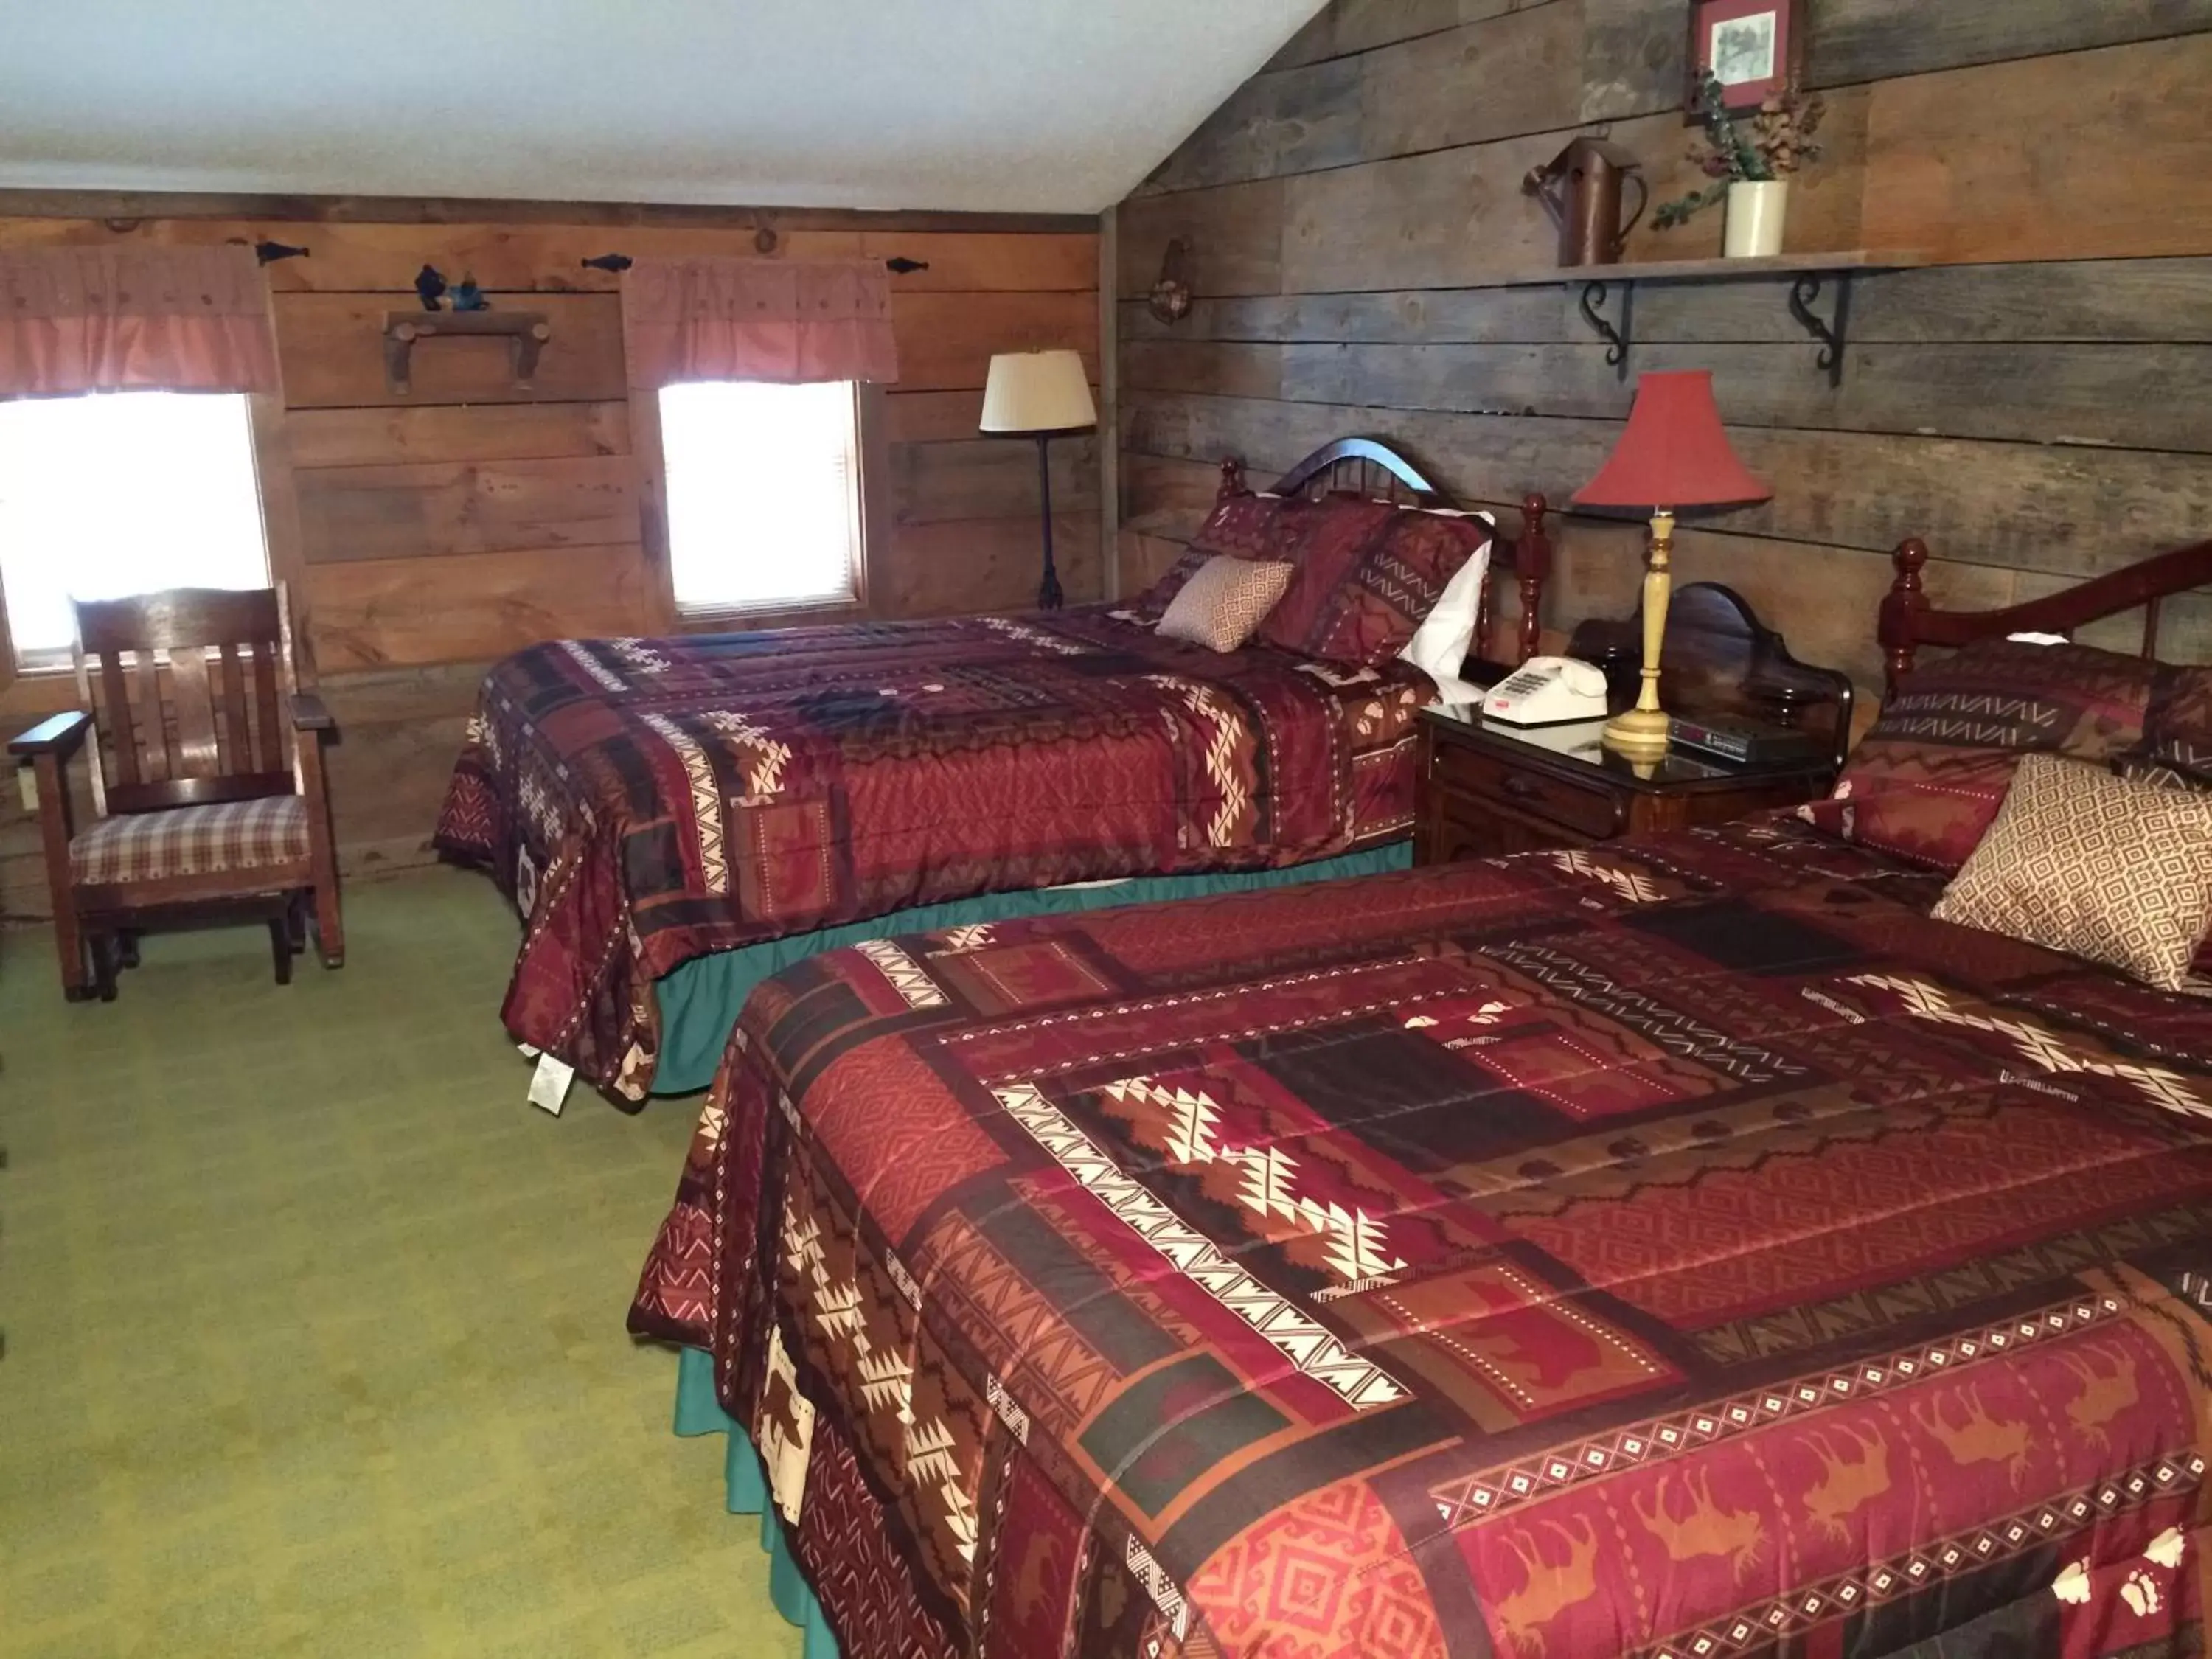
x: 1672, y: 452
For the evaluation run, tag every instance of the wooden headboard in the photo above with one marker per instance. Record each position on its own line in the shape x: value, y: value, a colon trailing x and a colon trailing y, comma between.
x: 1908, y: 622
x: 1371, y: 468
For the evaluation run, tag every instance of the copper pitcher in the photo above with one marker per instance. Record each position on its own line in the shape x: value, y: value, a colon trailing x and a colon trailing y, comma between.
x: 1581, y: 188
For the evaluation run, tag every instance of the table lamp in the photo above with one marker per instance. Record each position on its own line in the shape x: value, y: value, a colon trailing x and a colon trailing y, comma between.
x: 1043, y: 395
x: 1671, y: 454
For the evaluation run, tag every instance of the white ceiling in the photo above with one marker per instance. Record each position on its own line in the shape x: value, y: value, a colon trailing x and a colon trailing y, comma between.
x: 1031, y: 105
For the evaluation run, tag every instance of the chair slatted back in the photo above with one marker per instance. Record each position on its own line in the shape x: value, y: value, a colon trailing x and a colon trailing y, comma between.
x: 187, y: 688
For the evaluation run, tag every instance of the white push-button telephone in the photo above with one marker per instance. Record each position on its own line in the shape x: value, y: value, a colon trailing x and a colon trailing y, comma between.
x: 1545, y: 690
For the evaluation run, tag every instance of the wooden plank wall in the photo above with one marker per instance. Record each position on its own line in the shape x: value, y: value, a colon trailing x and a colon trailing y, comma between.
x: 438, y: 531
x: 2028, y: 402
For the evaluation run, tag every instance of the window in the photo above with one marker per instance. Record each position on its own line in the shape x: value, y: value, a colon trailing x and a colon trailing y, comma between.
x: 763, y: 494
x: 119, y: 493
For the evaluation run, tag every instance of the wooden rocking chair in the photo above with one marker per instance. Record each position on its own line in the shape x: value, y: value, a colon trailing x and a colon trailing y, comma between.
x: 208, y: 789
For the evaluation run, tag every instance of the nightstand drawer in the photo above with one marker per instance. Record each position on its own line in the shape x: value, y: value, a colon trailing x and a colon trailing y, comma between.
x: 1588, y: 811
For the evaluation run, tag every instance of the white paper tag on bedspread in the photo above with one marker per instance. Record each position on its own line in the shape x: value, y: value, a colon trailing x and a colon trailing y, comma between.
x: 548, y: 1083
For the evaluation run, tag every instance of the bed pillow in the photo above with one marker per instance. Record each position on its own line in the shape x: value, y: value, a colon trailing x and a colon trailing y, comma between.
x: 1245, y: 526
x: 1439, y: 645
x: 2176, y: 747
x: 1369, y: 578
x: 2176, y: 750
x: 1926, y: 782
x: 1223, y: 604
x: 2083, y: 860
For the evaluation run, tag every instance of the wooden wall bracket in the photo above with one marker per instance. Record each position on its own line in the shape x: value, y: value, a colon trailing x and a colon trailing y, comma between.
x: 525, y: 331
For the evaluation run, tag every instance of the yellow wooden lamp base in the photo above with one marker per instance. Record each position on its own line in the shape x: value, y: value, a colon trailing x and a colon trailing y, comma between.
x: 1641, y: 734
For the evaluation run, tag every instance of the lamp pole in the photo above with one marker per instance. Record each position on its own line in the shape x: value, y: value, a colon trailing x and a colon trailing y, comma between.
x: 1049, y: 597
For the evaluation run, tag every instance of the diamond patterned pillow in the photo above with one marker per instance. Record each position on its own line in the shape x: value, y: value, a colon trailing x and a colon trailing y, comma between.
x: 1227, y: 599
x: 1246, y: 527
x: 2102, y: 866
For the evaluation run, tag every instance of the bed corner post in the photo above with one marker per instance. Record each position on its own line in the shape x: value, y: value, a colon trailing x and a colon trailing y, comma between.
x: 1532, y: 568
x: 1232, y: 480
x: 1900, y: 609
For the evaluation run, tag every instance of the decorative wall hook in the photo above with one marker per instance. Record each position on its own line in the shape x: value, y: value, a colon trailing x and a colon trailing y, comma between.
x: 269, y: 253
x: 901, y: 264
x: 1170, y: 298
x: 610, y: 262
x: 765, y: 239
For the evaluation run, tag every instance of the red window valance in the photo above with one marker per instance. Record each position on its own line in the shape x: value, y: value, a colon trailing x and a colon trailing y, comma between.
x: 115, y: 319
x: 787, y: 320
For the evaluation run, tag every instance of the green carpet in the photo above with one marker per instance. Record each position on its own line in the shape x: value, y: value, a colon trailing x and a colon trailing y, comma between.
x: 314, y: 1329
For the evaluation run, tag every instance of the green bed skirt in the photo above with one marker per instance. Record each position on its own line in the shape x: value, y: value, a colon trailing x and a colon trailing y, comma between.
x: 746, y: 1493
x: 700, y: 1000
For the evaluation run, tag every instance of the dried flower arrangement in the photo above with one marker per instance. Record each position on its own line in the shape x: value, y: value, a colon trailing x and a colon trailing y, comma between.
x: 1779, y: 141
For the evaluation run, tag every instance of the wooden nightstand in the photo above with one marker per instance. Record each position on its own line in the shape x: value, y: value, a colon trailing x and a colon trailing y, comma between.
x: 1485, y: 787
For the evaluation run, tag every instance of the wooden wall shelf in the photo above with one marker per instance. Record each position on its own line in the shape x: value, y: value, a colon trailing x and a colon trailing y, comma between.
x: 1814, y: 273
x: 525, y: 331
x: 1703, y: 270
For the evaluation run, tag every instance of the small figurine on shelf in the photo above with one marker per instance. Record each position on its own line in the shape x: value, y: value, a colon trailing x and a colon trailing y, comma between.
x: 469, y: 297
x: 429, y: 285
x: 1752, y: 169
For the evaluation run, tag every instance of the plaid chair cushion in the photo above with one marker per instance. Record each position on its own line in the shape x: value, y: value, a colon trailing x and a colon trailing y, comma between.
x: 192, y: 840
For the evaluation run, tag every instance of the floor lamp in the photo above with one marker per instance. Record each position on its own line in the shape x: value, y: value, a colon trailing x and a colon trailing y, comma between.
x: 1043, y: 395
x: 1672, y: 454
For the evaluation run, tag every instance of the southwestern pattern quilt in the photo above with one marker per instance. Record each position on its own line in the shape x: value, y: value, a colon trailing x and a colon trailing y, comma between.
x: 647, y: 801
x: 1684, y: 1248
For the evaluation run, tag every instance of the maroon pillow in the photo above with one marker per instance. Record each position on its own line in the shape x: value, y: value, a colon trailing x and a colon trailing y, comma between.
x: 2177, y: 738
x: 1927, y: 782
x: 1375, y: 608
x: 1327, y: 539
x: 1246, y: 526
x: 2176, y: 750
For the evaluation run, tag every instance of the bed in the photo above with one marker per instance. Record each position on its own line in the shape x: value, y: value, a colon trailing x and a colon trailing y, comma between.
x: 1684, y: 1247
x: 675, y: 817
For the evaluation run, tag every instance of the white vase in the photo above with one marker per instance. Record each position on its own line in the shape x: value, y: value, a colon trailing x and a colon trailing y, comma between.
x: 1756, y: 209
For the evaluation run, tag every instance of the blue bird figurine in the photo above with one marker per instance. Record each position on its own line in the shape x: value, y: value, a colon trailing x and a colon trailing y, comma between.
x: 469, y: 297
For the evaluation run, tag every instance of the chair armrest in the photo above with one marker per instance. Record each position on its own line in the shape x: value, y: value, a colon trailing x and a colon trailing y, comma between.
x: 310, y: 714
x: 59, y: 735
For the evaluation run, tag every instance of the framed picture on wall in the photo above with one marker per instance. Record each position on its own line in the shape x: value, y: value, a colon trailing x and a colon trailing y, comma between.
x: 1755, y: 46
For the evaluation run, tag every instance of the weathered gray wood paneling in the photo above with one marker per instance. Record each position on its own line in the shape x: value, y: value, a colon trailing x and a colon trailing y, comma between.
x: 1235, y: 234
x: 1881, y: 39
x: 1353, y: 26
x: 2028, y: 403
x: 2122, y: 394
x: 2070, y: 511
x: 2088, y: 300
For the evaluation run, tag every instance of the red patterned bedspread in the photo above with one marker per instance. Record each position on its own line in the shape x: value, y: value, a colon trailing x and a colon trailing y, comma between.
x: 646, y: 801
x: 1684, y: 1248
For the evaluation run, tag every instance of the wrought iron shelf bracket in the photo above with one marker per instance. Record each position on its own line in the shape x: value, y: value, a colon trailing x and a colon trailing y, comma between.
x: 1830, y: 332
x: 1818, y: 298
x: 1619, y: 335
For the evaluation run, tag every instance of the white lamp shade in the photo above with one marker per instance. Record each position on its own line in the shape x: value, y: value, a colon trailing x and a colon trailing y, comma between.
x: 1037, y: 391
